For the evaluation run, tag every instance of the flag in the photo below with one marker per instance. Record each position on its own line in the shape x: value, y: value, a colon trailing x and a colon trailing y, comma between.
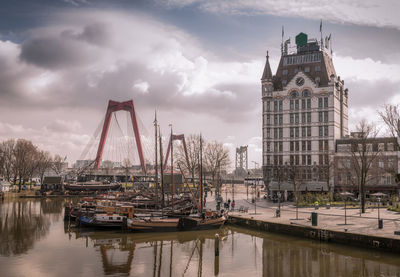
x: 320, y: 26
x: 283, y: 31
x: 329, y: 38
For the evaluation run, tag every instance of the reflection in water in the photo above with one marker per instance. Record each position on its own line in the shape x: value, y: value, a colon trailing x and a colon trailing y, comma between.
x: 117, y: 250
x: 21, y: 225
x: 35, y: 229
x: 304, y: 258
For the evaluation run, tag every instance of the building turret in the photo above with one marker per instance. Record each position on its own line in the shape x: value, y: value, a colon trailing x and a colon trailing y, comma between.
x: 267, y: 74
x: 266, y: 80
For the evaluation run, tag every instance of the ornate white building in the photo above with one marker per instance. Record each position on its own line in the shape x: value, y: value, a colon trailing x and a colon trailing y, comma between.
x: 304, y: 111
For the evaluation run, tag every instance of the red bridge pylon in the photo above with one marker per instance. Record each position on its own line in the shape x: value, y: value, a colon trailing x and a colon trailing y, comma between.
x: 114, y: 106
x: 180, y: 137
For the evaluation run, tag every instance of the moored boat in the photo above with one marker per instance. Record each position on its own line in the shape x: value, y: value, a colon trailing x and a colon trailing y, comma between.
x: 153, y: 224
x: 197, y: 223
x: 101, y: 221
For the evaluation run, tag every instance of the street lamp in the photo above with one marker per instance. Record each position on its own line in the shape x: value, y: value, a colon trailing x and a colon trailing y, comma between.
x: 345, y: 194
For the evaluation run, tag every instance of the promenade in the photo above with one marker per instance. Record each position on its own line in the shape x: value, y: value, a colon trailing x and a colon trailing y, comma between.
x: 357, y: 229
x: 328, y: 219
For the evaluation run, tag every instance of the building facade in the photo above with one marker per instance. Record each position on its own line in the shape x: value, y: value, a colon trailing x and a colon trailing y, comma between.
x: 379, y: 157
x: 305, y: 110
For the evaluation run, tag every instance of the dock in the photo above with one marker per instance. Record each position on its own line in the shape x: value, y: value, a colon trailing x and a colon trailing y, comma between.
x: 361, y: 231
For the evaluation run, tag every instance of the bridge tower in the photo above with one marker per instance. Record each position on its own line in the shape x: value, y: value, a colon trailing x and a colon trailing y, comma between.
x: 241, y: 160
x: 114, y: 106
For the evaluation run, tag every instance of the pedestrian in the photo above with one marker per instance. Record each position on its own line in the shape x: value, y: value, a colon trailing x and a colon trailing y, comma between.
x: 233, y: 205
x: 204, y: 202
x: 229, y: 203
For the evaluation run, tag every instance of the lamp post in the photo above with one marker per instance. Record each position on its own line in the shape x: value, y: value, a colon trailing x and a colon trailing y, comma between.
x: 345, y: 195
x: 255, y: 199
x: 379, y: 205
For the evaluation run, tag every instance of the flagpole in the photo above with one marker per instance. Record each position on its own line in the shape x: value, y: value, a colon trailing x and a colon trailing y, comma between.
x: 320, y: 30
x: 283, y: 33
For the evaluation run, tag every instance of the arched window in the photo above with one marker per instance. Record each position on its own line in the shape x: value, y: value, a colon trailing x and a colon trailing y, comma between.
x: 306, y: 93
x: 294, y: 94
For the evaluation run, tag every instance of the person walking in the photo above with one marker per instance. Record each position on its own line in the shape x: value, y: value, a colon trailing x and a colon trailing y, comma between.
x: 229, y: 203
x: 233, y: 205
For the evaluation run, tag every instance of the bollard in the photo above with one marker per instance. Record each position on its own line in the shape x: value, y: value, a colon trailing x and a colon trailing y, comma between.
x: 314, y: 219
x: 380, y: 223
x: 216, y: 245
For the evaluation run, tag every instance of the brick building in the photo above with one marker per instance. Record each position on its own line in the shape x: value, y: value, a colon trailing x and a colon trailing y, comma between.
x: 381, y: 156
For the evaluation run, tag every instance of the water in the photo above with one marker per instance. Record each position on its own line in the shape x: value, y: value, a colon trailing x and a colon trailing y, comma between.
x: 34, y: 241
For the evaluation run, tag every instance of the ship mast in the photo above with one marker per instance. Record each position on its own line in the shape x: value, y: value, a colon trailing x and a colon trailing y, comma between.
x: 161, y: 170
x: 172, y: 170
x: 201, y: 175
x: 156, y: 157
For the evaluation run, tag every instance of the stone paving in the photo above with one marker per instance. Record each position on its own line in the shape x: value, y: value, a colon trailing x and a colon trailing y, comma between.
x: 331, y: 219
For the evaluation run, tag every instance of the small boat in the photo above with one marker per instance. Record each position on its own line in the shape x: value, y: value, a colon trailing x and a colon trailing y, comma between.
x: 153, y: 224
x: 101, y: 221
x: 198, y: 223
x: 91, y: 186
x: 165, y: 224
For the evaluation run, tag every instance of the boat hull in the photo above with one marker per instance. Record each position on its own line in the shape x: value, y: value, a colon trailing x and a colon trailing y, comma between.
x: 93, y: 223
x: 175, y: 224
x: 153, y: 225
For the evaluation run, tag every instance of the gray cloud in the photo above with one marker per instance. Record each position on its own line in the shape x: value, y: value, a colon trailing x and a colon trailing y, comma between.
x: 55, y: 52
x: 371, y: 94
x: 362, y: 12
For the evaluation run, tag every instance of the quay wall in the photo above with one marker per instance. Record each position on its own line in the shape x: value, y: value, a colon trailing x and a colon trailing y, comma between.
x: 315, y: 233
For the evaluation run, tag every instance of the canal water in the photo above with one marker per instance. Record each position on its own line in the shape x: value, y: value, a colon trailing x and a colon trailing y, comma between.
x: 35, y: 241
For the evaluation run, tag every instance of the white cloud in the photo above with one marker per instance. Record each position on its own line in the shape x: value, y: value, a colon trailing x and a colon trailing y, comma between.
x: 365, y: 69
x: 142, y: 86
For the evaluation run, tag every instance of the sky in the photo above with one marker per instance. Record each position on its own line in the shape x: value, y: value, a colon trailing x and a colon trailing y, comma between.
x: 197, y: 62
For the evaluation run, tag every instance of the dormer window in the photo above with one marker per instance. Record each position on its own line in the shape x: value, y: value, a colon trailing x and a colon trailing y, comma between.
x: 284, y: 72
x: 296, y: 70
x: 284, y: 82
x: 306, y: 93
x: 317, y: 68
x: 307, y: 69
x: 294, y: 94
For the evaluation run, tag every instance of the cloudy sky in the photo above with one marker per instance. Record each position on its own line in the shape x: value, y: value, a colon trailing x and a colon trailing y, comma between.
x: 197, y: 62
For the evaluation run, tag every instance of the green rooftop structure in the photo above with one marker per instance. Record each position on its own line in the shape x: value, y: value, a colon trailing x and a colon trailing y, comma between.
x: 301, y: 39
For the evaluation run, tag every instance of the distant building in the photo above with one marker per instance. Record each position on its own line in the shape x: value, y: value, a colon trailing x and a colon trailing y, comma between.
x: 83, y: 163
x: 52, y: 183
x: 5, y: 186
x: 305, y: 110
x: 381, y: 157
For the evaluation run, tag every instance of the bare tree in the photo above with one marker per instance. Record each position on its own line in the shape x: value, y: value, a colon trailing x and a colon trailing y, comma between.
x: 216, y: 158
x: 391, y: 116
x: 363, y: 156
x: 24, y: 158
x: 7, y: 150
x: 44, y: 162
x: 57, y: 164
x: 294, y: 175
x: 326, y: 173
x: 193, y: 152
